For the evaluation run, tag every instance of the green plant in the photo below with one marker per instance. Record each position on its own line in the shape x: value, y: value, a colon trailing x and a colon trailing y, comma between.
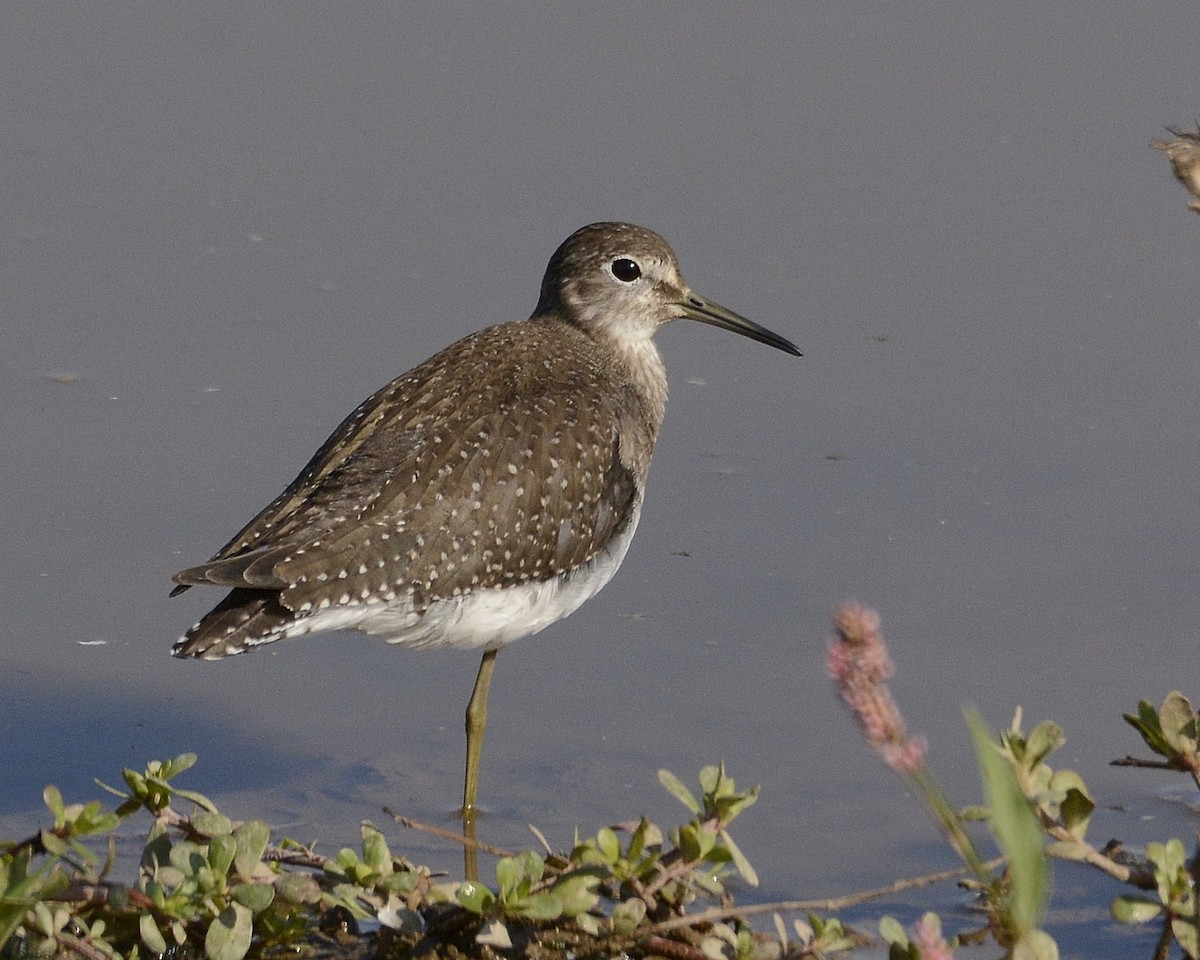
x: 216, y: 887
x: 1171, y: 732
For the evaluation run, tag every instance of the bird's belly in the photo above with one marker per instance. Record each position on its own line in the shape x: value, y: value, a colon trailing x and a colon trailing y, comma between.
x: 496, y: 617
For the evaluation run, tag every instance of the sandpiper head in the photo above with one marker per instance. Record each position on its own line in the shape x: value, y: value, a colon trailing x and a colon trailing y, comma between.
x: 623, y: 281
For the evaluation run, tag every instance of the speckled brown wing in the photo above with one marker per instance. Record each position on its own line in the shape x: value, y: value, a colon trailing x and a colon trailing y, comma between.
x: 394, y: 504
x: 555, y: 501
x: 332, y: 481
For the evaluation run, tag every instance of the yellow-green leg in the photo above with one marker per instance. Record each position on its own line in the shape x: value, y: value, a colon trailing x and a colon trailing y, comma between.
x: 476, y: 724
x: 477, y: 712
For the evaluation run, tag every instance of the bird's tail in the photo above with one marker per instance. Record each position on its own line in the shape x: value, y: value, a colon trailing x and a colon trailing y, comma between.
x: 244, y: 619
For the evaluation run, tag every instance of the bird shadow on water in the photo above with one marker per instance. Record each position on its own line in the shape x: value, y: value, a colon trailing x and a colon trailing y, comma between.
x: 71, y: 736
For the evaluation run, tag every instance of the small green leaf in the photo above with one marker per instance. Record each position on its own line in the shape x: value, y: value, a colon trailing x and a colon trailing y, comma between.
x: 1169, y: 857
x: 255, y: 896
x: 221, y: 851
x: 647, y: 834
x: 689, y: 842
x: 228, y: 936
x: 12, y: 915
x: 251, y: 838
x: 588, y: 924
x: 515, y: 875
x: 188, y: 857
x: 443, y: 893
x: 739, y: 860
x: 185, y: 761
x: 627, y: 915
x: 781, y: 933
x: 608, y: 844
x: 537, y: 906
x: 198, y: 799
x: 1064, y: 780
x: 151, y: 936
x: 54, y: 803
x: 711, y: 778
x: 135, y: 781
x: 113, y: 790
x: 728, y: 806
x: 53, y: 843
x: 830, y: 935
x: 475, y: 897
x: 1076, y: 812
x: 1187, y: 934
x: 1147, y: 724
x: 577, y: 893
x: 707, y: 839
x: 375, y: 850
x: 1178, y: 722
x: 297, y: 888
x: 892, y: 930
x: 93, y: 820
x: 209, y: 824
x: 44, y: 919
x: 401, y: 882
x: 1043, y: 740
x: 674, y: 786
x: 1134, y: 909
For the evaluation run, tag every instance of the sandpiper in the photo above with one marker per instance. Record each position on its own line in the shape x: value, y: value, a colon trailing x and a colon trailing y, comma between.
x: 486, y: 493
x: 1183, y: 150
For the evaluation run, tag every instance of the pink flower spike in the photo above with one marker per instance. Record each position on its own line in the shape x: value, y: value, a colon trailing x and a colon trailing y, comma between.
x: 859, y: 664
x: 927, y: 935
x: 905, y: 758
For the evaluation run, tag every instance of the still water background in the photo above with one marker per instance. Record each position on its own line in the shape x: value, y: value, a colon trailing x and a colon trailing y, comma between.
x: 223, y: 225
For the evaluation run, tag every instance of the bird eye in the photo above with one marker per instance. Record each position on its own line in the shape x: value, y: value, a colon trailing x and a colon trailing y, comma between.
x: 625, y: 269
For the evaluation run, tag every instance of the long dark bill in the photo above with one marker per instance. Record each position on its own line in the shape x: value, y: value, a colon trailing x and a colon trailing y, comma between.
x: 697, y: 308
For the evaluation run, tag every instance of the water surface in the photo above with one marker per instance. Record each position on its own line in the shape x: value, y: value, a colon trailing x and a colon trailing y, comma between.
x: 223, y: 226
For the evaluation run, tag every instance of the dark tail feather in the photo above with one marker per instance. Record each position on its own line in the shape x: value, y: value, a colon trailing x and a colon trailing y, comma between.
x: 244, y: 619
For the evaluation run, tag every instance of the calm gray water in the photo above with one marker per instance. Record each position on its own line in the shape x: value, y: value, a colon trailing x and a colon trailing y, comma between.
x: 224, y: 225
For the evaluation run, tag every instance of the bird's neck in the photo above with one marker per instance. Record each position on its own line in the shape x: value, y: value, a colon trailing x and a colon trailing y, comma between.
x: 634, y: 356
x: 647, y: 375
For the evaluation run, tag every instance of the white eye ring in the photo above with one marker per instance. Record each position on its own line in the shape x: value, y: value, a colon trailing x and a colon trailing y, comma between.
x: 625, y: 270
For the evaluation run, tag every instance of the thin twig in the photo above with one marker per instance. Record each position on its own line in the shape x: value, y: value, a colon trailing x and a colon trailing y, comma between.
x: 1192, y: 768
x: 448, y: 834
x: 295, y: 858
x: 1136, y: 876
x: 1162, y: 947
x: 1128, y: 761
x: 832, y: 903
x: 85, y: 893
x: 88, y: 951
x: 673, y: 949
